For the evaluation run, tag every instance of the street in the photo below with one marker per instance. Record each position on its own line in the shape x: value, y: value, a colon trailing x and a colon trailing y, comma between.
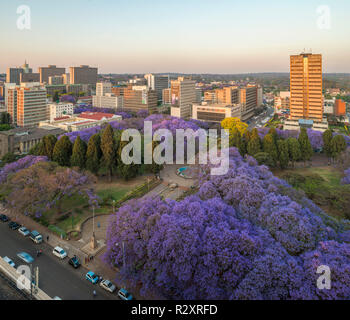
x: 257, y: 122
x: 56, y: 277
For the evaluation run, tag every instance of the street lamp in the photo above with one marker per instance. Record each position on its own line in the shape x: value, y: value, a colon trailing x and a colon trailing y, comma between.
x: 113, y: 206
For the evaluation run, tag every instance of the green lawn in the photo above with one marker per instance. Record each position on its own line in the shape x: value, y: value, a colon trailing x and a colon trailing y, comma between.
x: 323, y: 186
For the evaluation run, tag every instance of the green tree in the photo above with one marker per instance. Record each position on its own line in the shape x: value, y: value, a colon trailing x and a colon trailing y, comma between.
x: 274, y: 134
x: 93, y: 154
x: 270, y: 147
x: 235, y: 138
x: 294, y: 150
x: 108, y: 148
x: 242, y: 148
x: 338, y: 145
x: 78, y: 158
x: 254, y: 144
x: 56, y: 96
x: 265, y: 159
x: 5, y: 118
x: 8, y: 158
x: 327, y: 140
x: 62, y: 152
x: 49, y: 143
x: 305, y: 146
x: 283, y: 153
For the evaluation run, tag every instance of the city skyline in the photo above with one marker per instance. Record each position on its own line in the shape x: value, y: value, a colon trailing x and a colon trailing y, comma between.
x: 182, y: 37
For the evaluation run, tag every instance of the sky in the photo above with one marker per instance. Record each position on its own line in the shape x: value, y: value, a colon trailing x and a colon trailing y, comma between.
x: 184, y: 36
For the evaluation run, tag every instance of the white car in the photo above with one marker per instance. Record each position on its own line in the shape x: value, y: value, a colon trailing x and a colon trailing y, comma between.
x: 24, y: 231
x: 59, y: 252
x: 108, y: 286
x: 10, y: 262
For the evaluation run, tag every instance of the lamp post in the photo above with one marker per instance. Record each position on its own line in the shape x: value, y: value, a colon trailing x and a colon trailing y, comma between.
x: 113, y: 206
x: 93, y: 243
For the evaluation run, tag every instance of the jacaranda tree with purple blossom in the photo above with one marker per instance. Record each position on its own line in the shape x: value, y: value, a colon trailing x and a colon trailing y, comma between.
x: 245, y: 235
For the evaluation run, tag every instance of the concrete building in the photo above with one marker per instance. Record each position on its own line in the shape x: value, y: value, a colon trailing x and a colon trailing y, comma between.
x: 102, y: 88
x: 11, y: 100
x: 56, y: 80
x: 109, y: 100
x: 228, y: 95
x: 13, y: 75
x: 260, y: 96
x: 306, y: 87
x: 183, y: 95
x: 328, y: 106
x: 321, y: 126
x: 50, y: 71
x: 57, y: 110
x: 282, y: 102
x: 21, y: 140
x: 137, y: 98
x: 29, y: 77
x: 31, y: 104
x: 249, y: 101
x: 158, y: 83
x: 199, y: 95
x: 215, y: 112
x: 83, y: 75
x: 210, y: 96
x: 83, y: 121
x: 340, y: 108
x: 167, y: 96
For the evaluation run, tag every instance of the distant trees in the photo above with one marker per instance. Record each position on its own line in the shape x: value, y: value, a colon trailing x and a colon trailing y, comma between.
x: 338, y: 145
x: 283, y: 153
x: 270, y: 147
x: 293, y: 150
x: 5, y: 118
x: 254, y: 144
x: 327, y: 140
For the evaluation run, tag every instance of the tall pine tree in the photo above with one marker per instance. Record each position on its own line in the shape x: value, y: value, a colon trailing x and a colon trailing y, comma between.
x: 49, y: 145
x: 283, y: 153
x: 108, y: 148
x: 62, y: 152
x: 270, y: 147
x: 78, y: 158
x: 294, y: 150
x: 327, y: 140
x: 305, y: 146
x: 93, y: 154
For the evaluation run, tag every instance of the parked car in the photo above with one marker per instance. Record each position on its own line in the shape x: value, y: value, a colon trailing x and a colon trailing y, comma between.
x: 26, y: 257
x: 14, y: 225
x: 125, y: 295
x: 9, y: 261
x: 4, y: 218
x: 36, y: 237
x: 108, y: 286
x: 59, y: 252
x: 92, y: 277
x: 24, y: 231
x: 74, y: 262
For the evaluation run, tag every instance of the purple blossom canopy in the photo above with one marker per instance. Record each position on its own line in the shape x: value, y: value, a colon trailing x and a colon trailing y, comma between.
x: 245, y: 235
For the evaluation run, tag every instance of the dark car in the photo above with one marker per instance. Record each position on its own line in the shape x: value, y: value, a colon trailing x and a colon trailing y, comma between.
x: 14, y: 225
x: 74, y: 262
x: 4, y: 218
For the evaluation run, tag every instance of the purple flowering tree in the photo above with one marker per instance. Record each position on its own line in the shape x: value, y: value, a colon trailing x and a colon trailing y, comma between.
x: 245, y: 235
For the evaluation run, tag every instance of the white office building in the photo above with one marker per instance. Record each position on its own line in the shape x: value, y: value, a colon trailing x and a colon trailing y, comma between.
x: 58, y: 110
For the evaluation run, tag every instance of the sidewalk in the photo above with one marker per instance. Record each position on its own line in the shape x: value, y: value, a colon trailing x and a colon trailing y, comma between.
x: 72, y: 248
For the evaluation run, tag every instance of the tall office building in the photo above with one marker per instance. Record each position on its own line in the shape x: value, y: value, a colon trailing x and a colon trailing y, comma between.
x: 249, y: 101
x: 183, y: 95
x: 50, y: 71
x: 137, y: 98
x: 158, y: 83
x: 13, y: 75
x: 83, y: 75
x: 306, y: 87
x: 102, y: 88
x: 26, y: 104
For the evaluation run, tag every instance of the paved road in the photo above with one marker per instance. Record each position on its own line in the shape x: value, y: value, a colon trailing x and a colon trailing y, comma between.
x: 258, y: 122
x: 57, y: 278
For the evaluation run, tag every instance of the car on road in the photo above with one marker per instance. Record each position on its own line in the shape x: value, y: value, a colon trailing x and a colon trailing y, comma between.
x: 36, y: 237
x: 74, y: 262
x: 14, y: 225
x: 92, y: 277
x: 9, y: 261
x: 108, y: 286
x: 125, y: 295
x: 4, y: 218
x: 26, y: 257
x: 59, y: 252
x: 24, y: 231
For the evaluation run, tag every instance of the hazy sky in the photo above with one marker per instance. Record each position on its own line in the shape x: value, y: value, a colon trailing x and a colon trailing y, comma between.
x: 189, y: 36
